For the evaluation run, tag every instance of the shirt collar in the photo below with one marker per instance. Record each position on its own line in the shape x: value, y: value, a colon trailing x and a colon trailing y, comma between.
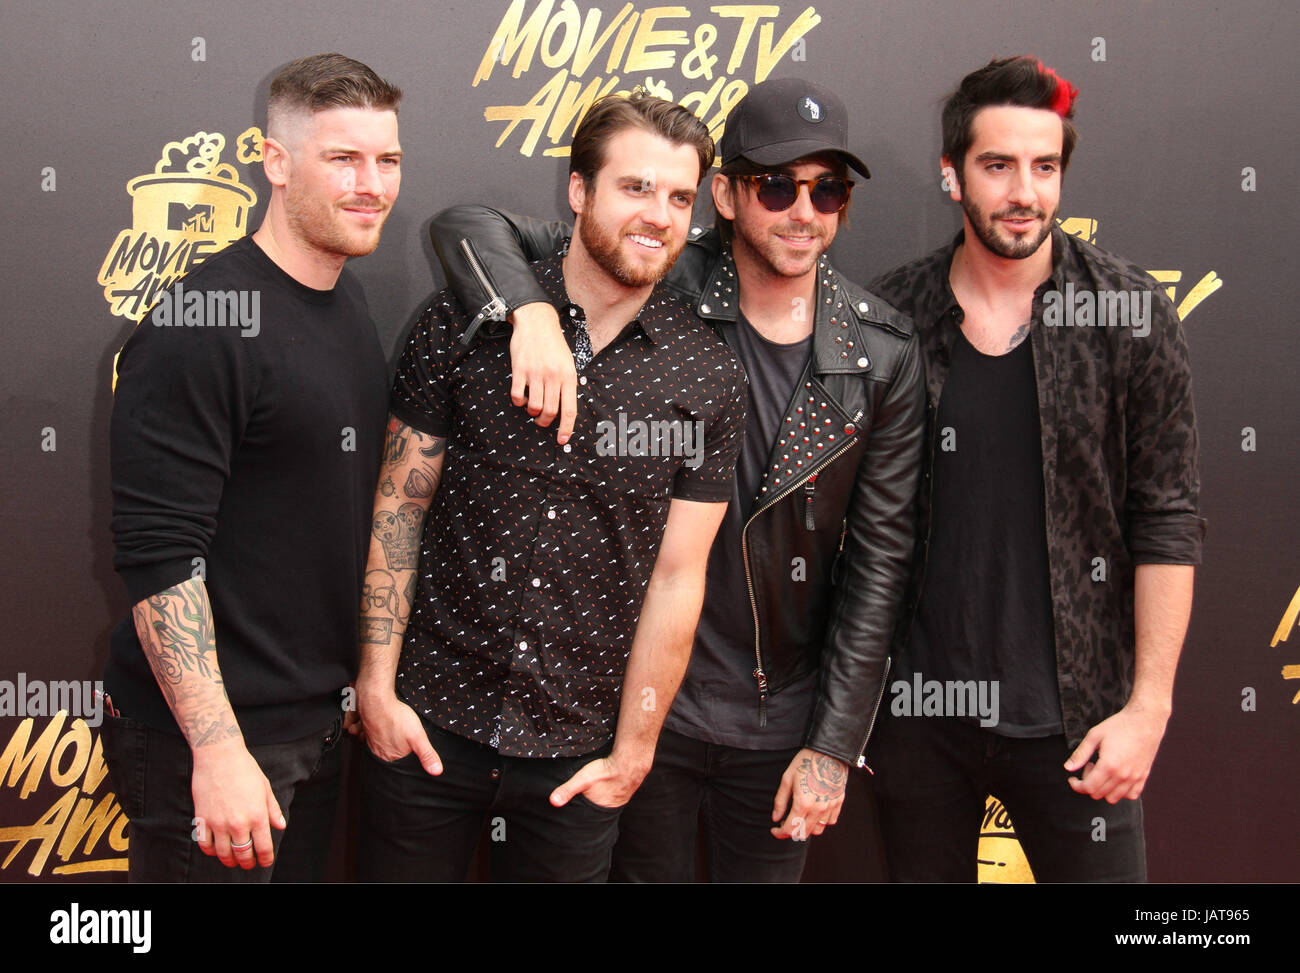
x: 655, y: 318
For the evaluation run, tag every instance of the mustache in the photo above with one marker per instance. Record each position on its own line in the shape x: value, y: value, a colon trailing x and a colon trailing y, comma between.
x: 651, y: 232
x: 800, y: 229
x: 1020, y: 213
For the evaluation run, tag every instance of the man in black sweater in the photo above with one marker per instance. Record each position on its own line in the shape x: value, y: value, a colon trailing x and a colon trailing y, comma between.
x: 246, y: 434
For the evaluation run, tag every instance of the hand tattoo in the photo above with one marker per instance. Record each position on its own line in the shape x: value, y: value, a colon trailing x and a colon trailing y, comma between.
x: 822, y: 778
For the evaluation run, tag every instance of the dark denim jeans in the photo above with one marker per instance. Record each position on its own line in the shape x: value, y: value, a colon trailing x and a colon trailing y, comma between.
x: 932, y: 775
x: 419, y: 828
x: 151, y: 772
x: 735, y: 790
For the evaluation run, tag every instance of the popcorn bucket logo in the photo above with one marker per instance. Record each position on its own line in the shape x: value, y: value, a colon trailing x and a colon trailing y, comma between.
x: 1001, y: 859
x: 191, y: 206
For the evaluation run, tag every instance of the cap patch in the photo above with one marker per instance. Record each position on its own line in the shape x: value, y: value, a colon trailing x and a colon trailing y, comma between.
x: 809, y: 110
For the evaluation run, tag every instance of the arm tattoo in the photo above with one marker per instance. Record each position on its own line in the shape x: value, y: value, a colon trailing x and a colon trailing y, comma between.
x: 421, y: 483
x: 434, y: 448
x: 400, y: 533
x: 177, y: 635
x: 380, y: 605
x: 399, y: 434
x: 822, y: 778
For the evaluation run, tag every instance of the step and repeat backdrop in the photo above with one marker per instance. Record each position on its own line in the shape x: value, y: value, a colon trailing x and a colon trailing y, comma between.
x: 133, y: 135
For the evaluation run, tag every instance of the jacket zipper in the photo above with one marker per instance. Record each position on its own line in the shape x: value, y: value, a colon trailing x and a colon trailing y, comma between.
x: 759, y: 675
x: 808, y: 502
x: 862, y: 750
x: 495, y: 309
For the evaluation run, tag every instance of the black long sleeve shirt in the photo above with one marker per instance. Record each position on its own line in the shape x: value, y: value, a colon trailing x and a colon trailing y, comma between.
x: 248, y: 452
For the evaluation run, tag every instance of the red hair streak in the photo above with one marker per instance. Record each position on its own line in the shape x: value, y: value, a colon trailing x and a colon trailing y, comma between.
x: 1063, y: 98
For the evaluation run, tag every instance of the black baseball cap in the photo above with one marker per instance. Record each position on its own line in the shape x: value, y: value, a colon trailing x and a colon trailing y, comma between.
x: 786, y: 119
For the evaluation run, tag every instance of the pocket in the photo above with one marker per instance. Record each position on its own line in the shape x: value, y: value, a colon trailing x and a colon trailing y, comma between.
x: 126, y: 746
x: 584, y: 799
x: 408, y: 756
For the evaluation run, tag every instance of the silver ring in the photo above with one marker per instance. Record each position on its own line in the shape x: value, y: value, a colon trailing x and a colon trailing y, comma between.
x: 243, y: 845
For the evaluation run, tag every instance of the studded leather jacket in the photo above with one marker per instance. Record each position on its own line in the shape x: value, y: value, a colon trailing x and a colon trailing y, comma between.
x: 828, y: 543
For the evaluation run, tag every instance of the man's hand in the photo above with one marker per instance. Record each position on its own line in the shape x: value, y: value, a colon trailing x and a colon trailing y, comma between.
x: 540, y: 361
x: 1128, y: 742
x: 392, y: 730
x: 816, y: 784
x: 607, y: 781
x: 233, y: 802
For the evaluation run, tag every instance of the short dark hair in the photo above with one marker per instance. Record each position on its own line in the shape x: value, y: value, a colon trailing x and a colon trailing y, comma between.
x: 324, y: 81
x: 613, y: 113
x: 740, y: 166
x: 1022, y: 81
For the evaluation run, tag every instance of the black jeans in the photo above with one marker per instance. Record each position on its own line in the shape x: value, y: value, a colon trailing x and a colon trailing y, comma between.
x: 419, y: 828
x: 151, y: 771
x: 734, y: 788
x: 932, y: 775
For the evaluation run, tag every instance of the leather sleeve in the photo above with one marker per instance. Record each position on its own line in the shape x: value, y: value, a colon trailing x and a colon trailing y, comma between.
x: 505, y: 244
x: 877, y: 558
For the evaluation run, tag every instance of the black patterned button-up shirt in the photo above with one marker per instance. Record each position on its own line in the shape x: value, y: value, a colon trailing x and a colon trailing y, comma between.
x: 536, y: 556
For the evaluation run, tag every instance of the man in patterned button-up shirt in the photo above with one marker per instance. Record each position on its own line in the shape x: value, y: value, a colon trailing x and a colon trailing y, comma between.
x: 539, y: 562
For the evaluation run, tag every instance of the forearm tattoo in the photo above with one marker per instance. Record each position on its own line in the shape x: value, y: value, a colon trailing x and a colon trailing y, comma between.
x: 822, y: 778
x: 176, y: 631
x: 381, y: 605
x: 399, y: 532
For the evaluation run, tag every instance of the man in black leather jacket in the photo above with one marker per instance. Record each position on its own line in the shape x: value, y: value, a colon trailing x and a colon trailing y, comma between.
x: 808, y: 569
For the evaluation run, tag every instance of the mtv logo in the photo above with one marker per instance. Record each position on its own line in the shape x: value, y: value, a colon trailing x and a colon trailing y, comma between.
x: 194, y: 219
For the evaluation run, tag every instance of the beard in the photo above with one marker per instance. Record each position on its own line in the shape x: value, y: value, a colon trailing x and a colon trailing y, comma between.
x: 323, y: 225
x: 769, y: 250
x: 1016, y: 247
x: 605, y: 247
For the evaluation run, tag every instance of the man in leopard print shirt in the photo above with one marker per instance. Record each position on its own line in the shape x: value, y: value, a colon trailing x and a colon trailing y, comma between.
x: 1057, y: 524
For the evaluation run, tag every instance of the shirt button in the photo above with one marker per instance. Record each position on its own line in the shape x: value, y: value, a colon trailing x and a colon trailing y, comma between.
x: 537, y: 582
x: 568, y: 448
x: 862, y: 363
x: 523, y: 646
x: 705, y: 308
x: 582, y: 379
x: 862, y: 307
x: 495, y: 773
x: 550, y: 515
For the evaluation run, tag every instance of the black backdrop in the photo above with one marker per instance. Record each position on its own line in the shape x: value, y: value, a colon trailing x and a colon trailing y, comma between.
x: 1186, y: 165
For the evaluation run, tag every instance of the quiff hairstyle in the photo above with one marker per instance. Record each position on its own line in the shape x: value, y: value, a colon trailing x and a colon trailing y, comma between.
x: 614, y: 113
x: 324, y: 81
x: 1022, y: 81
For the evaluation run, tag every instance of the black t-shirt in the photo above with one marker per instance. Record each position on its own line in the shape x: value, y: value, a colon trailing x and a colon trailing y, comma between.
x: 985, y: 611
x: 718, y: 701
x: 250, y: 454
